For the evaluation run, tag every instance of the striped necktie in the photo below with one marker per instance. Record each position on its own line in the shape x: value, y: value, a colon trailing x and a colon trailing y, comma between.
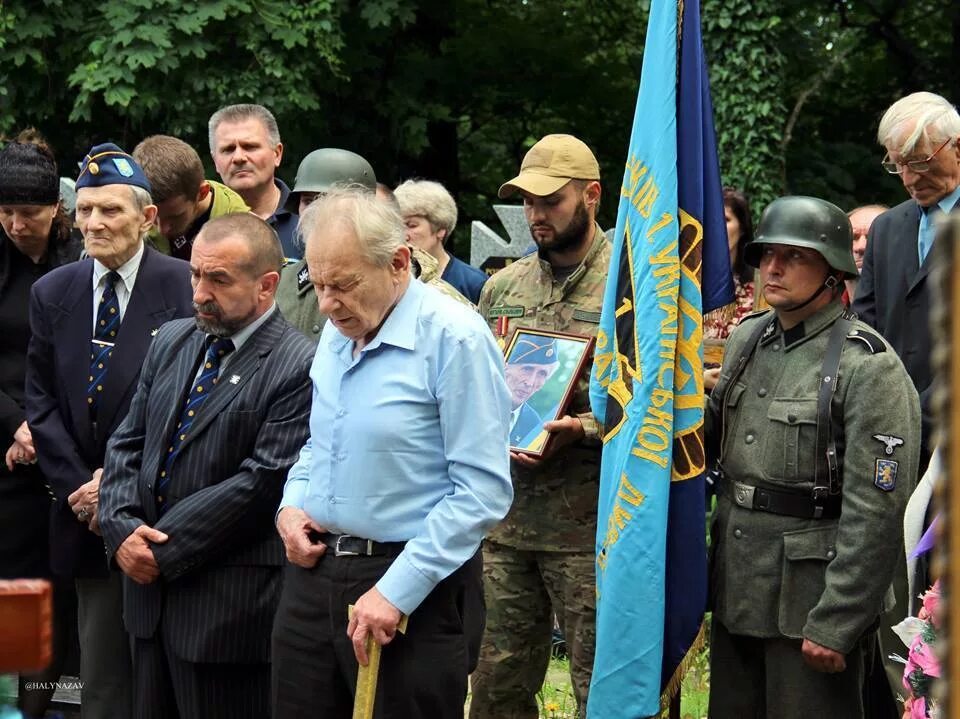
x: 104, y: 337
x: 217, y: 349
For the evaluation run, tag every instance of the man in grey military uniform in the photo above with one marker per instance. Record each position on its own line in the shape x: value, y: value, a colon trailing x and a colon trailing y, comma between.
x: 818, y: 428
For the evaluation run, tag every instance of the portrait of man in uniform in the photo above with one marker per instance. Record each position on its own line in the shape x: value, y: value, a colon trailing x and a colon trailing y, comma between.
x: 539, y: 371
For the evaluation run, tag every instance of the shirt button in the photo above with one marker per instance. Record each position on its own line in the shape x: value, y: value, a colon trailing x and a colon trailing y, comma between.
x: 749, y: 439
x: 737, y: 533
x: 333, y: 500
x: 775, y: 346
x: 762, y: 392
x: 341, y: 412
x: 316, y: 329
x: 791, y: 418
x: 831, y: 554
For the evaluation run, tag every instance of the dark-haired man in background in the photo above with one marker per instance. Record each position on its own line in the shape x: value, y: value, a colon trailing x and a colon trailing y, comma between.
x: 185, y: 200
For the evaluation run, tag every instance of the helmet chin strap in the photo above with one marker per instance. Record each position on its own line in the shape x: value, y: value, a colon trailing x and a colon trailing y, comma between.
x: 830, y: 283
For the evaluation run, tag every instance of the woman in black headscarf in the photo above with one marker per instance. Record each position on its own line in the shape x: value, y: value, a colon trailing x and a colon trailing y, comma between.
x: 35, y: 237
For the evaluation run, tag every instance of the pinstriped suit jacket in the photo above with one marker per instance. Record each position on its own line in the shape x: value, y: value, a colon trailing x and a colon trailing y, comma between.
x: 220, y: 568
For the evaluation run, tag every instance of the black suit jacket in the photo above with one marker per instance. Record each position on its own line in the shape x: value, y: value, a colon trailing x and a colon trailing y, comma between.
x: 58, y: 364
x: 894, y: 296
x: 220, y: 568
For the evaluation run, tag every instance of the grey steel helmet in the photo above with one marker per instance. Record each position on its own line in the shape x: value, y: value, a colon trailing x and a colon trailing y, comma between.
x: 329, y: 166
x: 806, y: 222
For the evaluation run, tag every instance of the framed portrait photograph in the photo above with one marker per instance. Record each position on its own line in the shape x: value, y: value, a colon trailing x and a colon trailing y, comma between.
x: 542, y: 369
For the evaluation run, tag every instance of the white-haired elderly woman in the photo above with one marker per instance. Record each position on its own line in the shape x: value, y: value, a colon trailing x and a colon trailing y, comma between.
x: 429, y: 215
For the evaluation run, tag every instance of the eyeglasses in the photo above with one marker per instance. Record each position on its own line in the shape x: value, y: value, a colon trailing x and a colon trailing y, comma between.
x: 896, y: 168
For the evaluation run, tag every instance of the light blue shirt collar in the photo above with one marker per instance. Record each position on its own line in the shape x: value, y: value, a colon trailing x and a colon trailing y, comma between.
x: 946, y: 203
x: 399, y: 329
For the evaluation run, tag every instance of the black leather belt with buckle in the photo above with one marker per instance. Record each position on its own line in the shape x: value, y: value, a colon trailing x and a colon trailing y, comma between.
x: 346, y: 545
x: 791, y: 504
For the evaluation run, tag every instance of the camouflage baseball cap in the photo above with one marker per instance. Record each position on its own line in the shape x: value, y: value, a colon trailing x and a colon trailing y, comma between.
x: 551, y: 164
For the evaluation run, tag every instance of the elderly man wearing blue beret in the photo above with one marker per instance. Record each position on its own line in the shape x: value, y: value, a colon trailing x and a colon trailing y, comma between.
x: 92, y: 322
x: 532, y: 362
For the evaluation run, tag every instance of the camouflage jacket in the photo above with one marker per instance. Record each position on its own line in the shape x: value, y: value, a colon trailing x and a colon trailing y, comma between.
x: 555, y: 505
x: 822, y: 579
x: 298, y: 302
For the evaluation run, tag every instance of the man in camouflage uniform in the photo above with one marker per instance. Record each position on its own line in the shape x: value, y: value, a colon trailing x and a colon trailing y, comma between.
x: 818, y: 426
x: 318, y: 172
x: 540, y: 559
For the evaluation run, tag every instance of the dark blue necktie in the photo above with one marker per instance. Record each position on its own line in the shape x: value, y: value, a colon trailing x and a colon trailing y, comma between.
x: 104, y: 337
x: 219, y: 348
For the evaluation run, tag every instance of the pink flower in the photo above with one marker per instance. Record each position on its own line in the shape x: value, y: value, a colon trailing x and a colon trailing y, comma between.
x: 931, y: 600
x: 918, y: 710
x: 922, y: 655
x: 907, y: 708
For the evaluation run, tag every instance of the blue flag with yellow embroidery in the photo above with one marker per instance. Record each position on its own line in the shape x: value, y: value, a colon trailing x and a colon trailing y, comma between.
x: 670, y: 264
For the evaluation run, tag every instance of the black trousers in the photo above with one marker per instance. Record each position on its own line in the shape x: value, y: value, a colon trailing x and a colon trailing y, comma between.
x: 167, y: 687
x: 423, y: 673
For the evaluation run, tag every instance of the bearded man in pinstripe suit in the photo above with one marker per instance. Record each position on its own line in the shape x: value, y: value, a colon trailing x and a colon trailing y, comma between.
x: 193, y: 478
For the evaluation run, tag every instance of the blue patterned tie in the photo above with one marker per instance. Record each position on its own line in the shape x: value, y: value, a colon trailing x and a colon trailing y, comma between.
x: 104, y: 337
x: 202, y: 386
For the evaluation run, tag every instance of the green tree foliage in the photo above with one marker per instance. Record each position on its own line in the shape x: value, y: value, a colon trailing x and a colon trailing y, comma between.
x: 457, y: 90
x: 743, y: 41
x: 855, y: 59
x: 121, y: 69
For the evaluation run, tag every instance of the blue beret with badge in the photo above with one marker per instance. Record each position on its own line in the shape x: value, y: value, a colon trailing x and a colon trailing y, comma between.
x: 534, y: 349
x: 107, y: 164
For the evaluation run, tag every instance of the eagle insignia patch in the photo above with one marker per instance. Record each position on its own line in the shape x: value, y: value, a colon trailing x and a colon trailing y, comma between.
x: 889, y: 440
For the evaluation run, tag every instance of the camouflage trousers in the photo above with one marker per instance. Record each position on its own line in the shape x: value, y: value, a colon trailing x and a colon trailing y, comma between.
x: 523, y: 590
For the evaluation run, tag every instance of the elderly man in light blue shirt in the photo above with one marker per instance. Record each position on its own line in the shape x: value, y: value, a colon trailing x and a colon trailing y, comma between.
x: 405, y: 471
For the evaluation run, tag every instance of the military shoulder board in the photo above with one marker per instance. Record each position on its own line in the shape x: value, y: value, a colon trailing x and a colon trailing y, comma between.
x: 872, y: 341
x: 755, y: 315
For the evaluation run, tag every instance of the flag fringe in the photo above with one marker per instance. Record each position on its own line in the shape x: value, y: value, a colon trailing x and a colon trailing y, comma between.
x: 722, y: 314
x: 673, y: 686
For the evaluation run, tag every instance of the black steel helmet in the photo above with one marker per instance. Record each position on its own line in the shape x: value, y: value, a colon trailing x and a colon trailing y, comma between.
x: 329, y: 166
x: 806, y: 222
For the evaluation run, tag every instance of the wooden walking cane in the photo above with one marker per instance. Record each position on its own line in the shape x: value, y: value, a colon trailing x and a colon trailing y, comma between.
x: 366, y: 695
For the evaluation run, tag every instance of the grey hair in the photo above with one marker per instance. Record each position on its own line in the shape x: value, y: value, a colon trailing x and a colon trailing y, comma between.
x: 377, y: 226
x: 141, y: 198
x: 936, y: 120
x: 428, y: 199
x: 239, y: 113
